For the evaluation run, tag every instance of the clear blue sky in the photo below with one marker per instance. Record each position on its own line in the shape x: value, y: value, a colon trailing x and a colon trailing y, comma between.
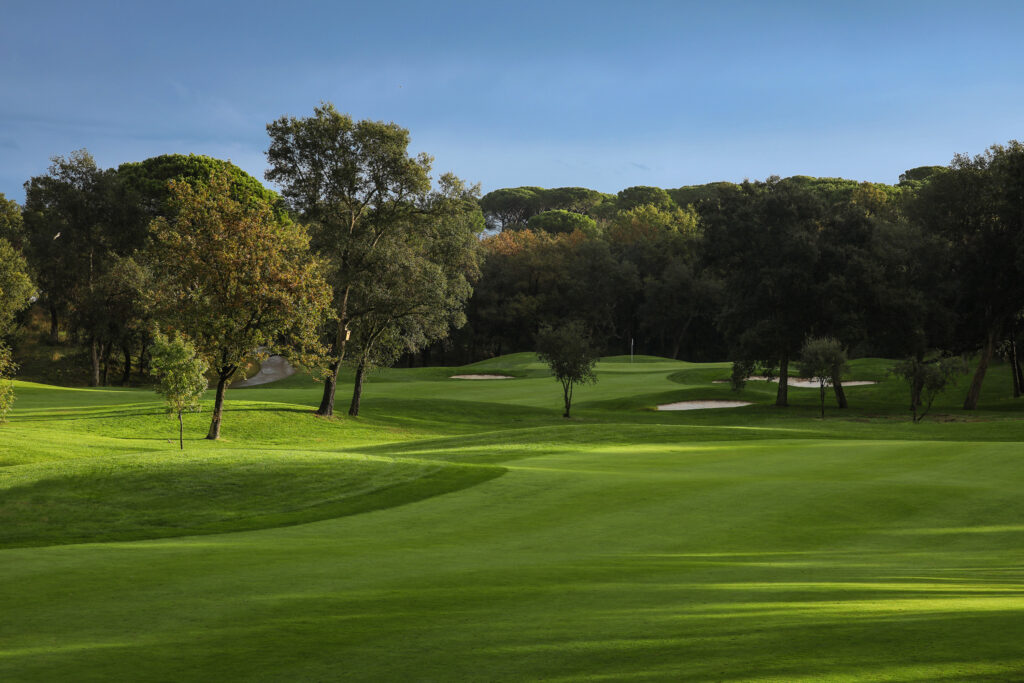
x: 603, y: 95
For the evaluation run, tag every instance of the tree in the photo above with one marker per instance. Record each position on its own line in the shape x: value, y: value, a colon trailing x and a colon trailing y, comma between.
x: 977, y: 206
x: 421, y: 285
x: 560, y: 220
x: 644, y: 195
x: 510, y: 207
x: 16, y: 289
x: 180, y: 376
x: 354, y: 183
x: 12, y: 226
x: 571, y: 355
x: 235, y: 279
x: 7, y: 369
x: 823, y: 359
x: 763, y: 242
x: 927, y: 379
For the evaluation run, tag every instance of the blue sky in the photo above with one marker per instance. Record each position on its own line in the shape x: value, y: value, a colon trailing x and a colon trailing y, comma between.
x: 598, y: 94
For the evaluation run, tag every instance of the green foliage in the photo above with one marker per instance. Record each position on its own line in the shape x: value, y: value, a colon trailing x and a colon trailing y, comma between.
x: 570, y: 353
x: 823, y: 359
x: 149, y: 181
x: 180, y: 375
x: 562, y: 221
x: 16, y: 290
x: 643, y: 195
x: 7, y: 370
x: 11, y: 224
x: 357, y: 186
x: 234, y: 279
x: 927, y: 379
x: 919, y: 174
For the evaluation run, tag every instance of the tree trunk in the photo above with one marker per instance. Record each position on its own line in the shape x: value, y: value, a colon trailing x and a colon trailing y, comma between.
x: 218, y: 405
x: 782, y: 397
x: 567, y: 390
x: 821, y: 387
x: 181, y: 433
x: 105, y: 353
x: 326, y: 408
x: 95, y: 362
x: 126, y: 376
x: 357, y: 390
x: 1018, y: 381
x: 837, y: 386
x: 54, y: 327
x: 974, y: 393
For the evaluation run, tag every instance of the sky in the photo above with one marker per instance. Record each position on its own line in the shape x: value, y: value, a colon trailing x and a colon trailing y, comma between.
x: 604, y: 95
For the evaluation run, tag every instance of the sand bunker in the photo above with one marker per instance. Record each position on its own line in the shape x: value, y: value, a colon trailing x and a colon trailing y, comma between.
x: 481, y: 377
x: 802, y: 382
x: 271, y: 370
x: 702, y: 405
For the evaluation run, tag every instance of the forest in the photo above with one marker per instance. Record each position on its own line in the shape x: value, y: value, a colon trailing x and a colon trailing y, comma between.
x: 360, y: 258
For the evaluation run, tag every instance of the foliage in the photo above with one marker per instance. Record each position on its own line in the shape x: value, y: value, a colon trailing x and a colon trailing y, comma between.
x: 560, y: 220
x: 180, y: 375
x: 823, y: 359
x: 927, y: 379
x: 356, y: 185
x: 235, y: 280
x: 643, y: 195
x: 570, y: 354
x: 12, y: 226
x: 7, y: 369
x: 16, y: 290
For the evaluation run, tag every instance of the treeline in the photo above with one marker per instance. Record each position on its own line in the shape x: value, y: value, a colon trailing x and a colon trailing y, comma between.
x: 927, y: 268
x: 362, y: 259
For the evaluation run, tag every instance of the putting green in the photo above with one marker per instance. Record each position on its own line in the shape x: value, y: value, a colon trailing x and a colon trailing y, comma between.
x: 464, y: 531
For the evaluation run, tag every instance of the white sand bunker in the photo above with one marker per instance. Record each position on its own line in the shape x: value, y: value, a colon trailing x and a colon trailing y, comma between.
x: 271, y: 370
x: 702, y: 405
x: 482, y: 377
x: 802, y: 382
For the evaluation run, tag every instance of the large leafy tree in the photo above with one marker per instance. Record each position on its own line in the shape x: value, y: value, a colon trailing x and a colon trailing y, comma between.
x: 16, y: 291
x: 763, y: 242
x: 422, y: 282
x: 355, y: 184
x: 78, y: 218
x: 977, y: 207
x: 235, y: 279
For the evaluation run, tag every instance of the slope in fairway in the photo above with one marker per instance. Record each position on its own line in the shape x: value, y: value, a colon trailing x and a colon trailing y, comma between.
x: 496, y: 541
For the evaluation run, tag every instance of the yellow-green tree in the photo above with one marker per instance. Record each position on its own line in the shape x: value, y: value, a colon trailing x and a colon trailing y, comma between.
x: 180, y: 376
x: 237, y: 279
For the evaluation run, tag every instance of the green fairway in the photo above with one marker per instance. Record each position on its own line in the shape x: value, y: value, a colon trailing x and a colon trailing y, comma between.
x: 462, y: 530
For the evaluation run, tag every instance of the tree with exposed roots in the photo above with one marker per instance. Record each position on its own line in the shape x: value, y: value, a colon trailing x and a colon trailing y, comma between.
x: 236, y: 279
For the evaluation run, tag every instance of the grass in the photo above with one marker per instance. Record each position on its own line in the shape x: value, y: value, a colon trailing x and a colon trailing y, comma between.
x: 496, y: 541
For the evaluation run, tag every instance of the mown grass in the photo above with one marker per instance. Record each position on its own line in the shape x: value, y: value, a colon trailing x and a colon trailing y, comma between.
x: 497, y: 541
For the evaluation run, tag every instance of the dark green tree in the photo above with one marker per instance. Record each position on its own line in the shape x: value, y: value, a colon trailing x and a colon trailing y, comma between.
x: 571, y: 355
x: 560, y: 220
x: 822, y: 359
x: 354, y: 184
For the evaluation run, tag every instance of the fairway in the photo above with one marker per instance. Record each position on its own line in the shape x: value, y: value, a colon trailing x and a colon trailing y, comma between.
x: 462, y: 530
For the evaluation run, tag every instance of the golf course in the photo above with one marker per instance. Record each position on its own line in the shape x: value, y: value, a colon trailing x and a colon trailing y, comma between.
x: 463, y: 530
